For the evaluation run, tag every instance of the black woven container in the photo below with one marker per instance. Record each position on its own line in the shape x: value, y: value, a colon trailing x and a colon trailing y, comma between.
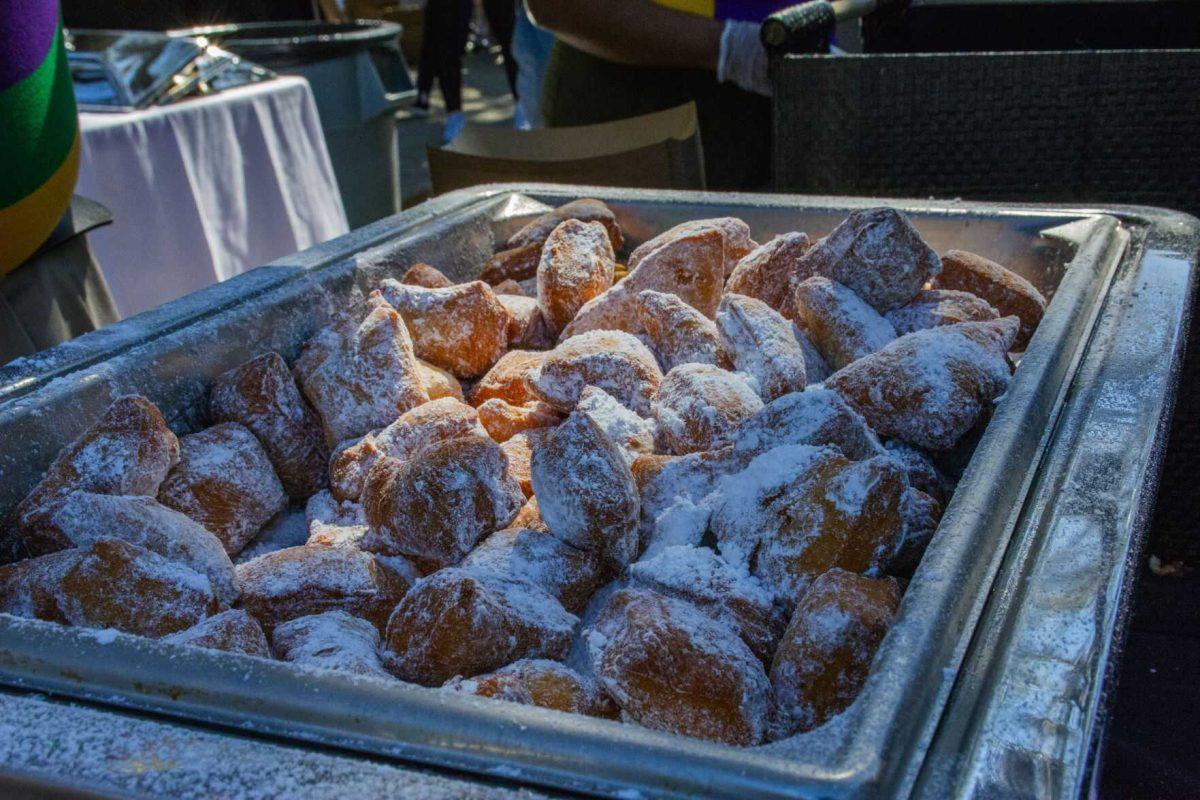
x: 1077, y: 126
x: 1069, y: 125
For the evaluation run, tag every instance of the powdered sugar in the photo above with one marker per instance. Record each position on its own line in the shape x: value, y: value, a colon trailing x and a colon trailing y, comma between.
x: 612, y: 360
x: 698, y: 407
x: 333, y: 640
x: 761, y: 343
x: 679, y: 333
x: 843, y: 327
x: 928, y: 388
x: 631, y: 433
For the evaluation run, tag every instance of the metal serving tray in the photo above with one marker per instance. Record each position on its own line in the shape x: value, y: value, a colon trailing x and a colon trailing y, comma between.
x: 1049, y: 510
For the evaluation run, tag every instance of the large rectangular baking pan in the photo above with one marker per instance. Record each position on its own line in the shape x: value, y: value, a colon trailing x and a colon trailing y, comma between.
x: 1111, y: 271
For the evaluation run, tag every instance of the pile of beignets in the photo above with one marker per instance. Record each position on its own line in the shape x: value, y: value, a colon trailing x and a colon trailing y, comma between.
x: 685, y: 493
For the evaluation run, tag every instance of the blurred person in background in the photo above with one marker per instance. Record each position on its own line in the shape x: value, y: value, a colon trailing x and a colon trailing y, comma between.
x: 625, y: 58
x: 50, y: 288
x: 446, y: 32
x: 501, y: 19
x: 447, y: 25
x: 531, y: 51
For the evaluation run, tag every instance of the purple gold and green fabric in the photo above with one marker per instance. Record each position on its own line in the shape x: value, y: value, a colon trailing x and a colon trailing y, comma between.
x: 39, y: 137
x: 748, y: 10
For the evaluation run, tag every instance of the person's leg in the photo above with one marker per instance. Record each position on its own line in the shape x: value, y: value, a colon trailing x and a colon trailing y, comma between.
x: 450, y: 75
x: 502, y: 18
x: 432, y: 44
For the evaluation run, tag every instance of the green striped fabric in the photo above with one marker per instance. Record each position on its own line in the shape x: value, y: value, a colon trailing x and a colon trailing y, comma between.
x: 39, y: 126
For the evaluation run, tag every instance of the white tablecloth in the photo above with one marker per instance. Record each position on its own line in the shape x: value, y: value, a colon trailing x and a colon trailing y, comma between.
x: 207, y: 189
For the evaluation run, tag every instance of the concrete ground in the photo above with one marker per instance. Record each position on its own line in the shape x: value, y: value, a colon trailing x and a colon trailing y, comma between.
x: 486, y: 101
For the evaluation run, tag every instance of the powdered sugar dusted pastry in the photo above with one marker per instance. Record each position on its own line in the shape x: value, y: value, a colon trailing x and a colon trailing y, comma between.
x: 224, y: 481
x: 735, y: 238
x: 1004, y: 289
x: 576, y: 265
x: 462, y: 622
x: 698, y: 407
x: 233, y: 631
x: 672, y: 668
x: 614, y: 361
x: 361, y: 378
x: 262, y: 396
x: 503, y: 420
x: 878, y: 255
x: 565, y: 572
x: 433, y: 508
x: 83, y: 518
x: 128, y: 452
x: 539, y: 682
x: 829, y: 644
x: 843, y: 327
x: 585, y: 490
x: 930, y: 387
x: 770, y: 272
x: 680, y: 334
x: 298, y: 581
x: 331, y: 640
x: 462, y: 329
x: 691, y: 267
x: 762, y: 344
x: 416, y: 429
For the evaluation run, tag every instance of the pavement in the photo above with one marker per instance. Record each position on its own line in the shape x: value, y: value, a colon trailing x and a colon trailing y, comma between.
x: 486, y: 101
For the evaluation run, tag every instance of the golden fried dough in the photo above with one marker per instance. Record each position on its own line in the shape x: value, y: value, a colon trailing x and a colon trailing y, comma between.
x: 877, y: 254
x: 842, y: 326
x: 672, y: 668
x: 542, y: 683
x: 424, y: 275
x: 699, y: 406
x: 1008, y: 292
x: 362, y: 377
x: 115, y: 584
x: 826, y: 652
x: 437, y: 382
x: 613, y: 361
x: 460, y: 622
x: 433, y: 508
x: 331, y: 640
x: 735, y: 234
x: 298, y: 581
x: 536, y: 556
x: 680, y: 334
x: 262, y: 395
x: 128, y: 451
x: 224, y: 481
x: 798, y: 511
x: 585, y: 490
x: 704, y: 579
x: 690, y: 267
x: 462, y: 329
x: 416, y: 429
x: 762, y: 344
x: 576, y: 265
x: 930, y: 387
x: 770, y: 272
x: 502, y: 420
x: 933, y: 307
x: 233, y: 631
x: 82, y: 518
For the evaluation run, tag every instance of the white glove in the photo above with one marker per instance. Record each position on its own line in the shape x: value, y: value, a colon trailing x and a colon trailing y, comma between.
x: 742, y: 60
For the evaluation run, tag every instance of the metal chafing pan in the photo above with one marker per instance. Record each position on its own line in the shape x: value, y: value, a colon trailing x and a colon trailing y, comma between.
x: 1008, y: 625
